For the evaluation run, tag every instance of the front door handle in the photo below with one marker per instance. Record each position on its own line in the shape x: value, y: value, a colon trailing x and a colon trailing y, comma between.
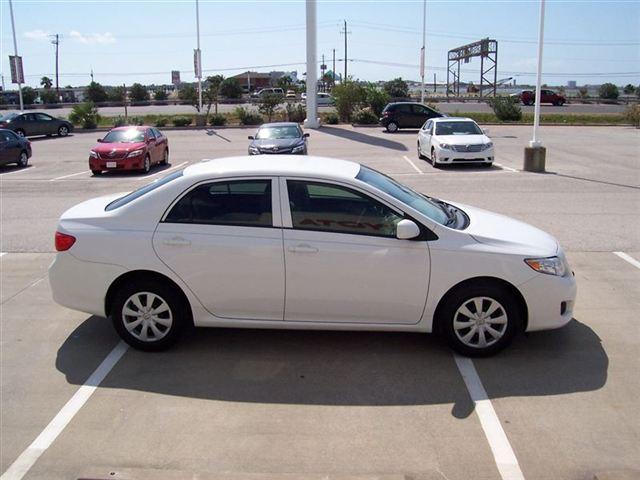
x: 303, y: 248
x: 177, y: 242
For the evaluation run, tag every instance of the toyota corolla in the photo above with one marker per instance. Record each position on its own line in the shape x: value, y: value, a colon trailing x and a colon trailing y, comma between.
x: 306, y: 243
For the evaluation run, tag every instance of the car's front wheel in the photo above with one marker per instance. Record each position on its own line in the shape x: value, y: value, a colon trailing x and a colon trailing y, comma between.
x: 148, y: 315
x: 434, y: 158
x: 165, y: 157
x: 23, y: 159
x: 480, y: 319
x: 392, y: 127
x: 146, y: 166
x: 63, y: 131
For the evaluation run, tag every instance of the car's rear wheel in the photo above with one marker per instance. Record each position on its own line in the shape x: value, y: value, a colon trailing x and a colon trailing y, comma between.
x: 63, y: 131
x: 165, y: 157
x: 479, y: 319
x: 23, y: 159
x: 420, y: 154
x: 392, y: 127
x: 146, y: 168
x: 148, y: 315
x: 20, y: 132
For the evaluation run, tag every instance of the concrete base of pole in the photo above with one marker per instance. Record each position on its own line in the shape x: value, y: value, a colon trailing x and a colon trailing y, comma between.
x: 311, y: 124
x: 534, y: 159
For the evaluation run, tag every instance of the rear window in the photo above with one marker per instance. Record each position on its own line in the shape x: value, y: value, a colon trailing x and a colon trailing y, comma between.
x: 142, y: 191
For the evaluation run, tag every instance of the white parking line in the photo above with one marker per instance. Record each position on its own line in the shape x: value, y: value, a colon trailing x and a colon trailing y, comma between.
x: 67, y: 176
x: 628, y: 258
x: 504, y: 167
x: 413, y: 165
x: 29, y: 457
x: 503, y: 455
x: 22, y: 170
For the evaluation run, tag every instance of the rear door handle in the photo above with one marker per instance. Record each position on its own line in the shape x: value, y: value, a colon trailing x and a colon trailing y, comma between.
x: 303, y: 248
x: 177, y: 242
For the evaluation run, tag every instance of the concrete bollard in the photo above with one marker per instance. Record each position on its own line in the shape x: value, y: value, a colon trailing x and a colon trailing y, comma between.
x: 534, y: 159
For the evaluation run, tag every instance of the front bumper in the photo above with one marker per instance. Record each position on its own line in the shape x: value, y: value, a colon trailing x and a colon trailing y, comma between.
x: 550, y: 301
x: 131, y: 163
x: 447, y: 156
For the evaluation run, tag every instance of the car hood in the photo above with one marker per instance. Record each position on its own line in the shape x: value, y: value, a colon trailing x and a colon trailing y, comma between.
x: 507, y: 233
x: 118, y: 147
x: 277, y: 142
x: 463, y: 139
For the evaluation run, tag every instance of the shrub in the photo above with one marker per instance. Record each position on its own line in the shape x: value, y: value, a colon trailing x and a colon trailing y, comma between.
x: 138, y: 93
x: 181, y: 121
x: 296, y: 113
x: 331, y: 118
x: 96, y: 93
x: 629, y: 89
x: 632, y: 113
x: 161, y: 122
x: 161, y: 95
x: 247, y: 117
x: 365, y: 117
x: 583, y: 92
x: 85, y: 114
x: 230, y: 88
x: 217, y: 120
x: 269, y: 104
x: 29, y: 95
x: 135, y: 120
x: 116, y: 94
x: 376, y: 99
x: 348, y: 96
x: 48, y: 96
x: 118, y: 121
x: 506, y: 108
x: 608, y: 91
x: 397, y: 88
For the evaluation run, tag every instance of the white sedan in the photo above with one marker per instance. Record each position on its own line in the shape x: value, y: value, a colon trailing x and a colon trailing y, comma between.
x: 306, y: 243
x: 449, y: 140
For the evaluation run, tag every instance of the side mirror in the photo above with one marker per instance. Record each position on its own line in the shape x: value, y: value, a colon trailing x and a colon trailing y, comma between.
x: 407, y: 229
x: 250, y: 137
x: 306, y: 135
x: 99, y: 140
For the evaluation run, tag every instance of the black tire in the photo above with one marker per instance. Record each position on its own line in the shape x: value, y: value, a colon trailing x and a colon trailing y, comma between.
x: 63, y: 131
x: 23, y: 159
x: 431, y: 159
x: 178, y: 314
x: 464, y: 297
x: 96, y: 173
x: 420, y: 155
x: 392, y: 127
x: 20, y: 132
x: 165, y: 157
x: 147, y: 164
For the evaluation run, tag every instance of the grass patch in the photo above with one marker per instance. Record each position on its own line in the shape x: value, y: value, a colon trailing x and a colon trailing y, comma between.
x: 552, y: 118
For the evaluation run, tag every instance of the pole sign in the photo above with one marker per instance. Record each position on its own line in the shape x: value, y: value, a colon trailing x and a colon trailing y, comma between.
x: 422, y: 62
x: 17, y: 74
x: 197, y: 63
x: 175, y: 77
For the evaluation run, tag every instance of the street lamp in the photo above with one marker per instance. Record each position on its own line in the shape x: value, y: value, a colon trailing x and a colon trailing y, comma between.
x: 422, y: 51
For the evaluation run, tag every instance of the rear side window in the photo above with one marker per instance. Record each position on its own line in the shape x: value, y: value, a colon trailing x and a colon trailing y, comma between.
x: 404, y: 108
x: 142, y: 191
x: 240, y: 203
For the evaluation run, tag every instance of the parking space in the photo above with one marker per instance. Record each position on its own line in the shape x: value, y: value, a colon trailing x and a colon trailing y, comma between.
x: 282, y: 404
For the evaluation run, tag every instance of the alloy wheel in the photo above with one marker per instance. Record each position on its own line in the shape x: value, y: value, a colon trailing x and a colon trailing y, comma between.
x: 24, y: 159
x: 63, y: 131
x: 147, y: 316
x: 480, y: 322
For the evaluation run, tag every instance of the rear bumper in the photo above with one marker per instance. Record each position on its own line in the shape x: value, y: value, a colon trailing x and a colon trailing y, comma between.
x: 550, y: 301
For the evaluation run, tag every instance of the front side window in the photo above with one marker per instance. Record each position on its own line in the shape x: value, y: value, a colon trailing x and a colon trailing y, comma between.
x: 43, y: 117
x: 334, y: 208
x: 240, y: 203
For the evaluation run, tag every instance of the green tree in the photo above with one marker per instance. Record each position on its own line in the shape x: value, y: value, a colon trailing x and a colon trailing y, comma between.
x: 397, y: 88
x: 85, y: 114
x: 212, y: 92
x: 116, y: 94
x: 96, y: 92
x: 188, y: 93
x: 608, y: 91
x: 48, y: 96
x: 348, y: 96
x: 138, y: 93
x: 269, y: 105
x: 29, y: 95
x: 583, y: 92
x: 160, y: 95
x: 285, y: 83
x: 231, y: 88
x: 376, y: 99
x: 46, y: 82
x: 629, y: 89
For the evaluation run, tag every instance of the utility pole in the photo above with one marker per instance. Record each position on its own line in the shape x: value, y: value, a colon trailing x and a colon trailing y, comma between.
x: 198, y: 59
x: 56, y: 42
x: 333, y: 70
x: 311, y: 84
x: 323, y: 68
x: 15, y: 49
x: 125, y: 98
x: 422, y: 51
x: 346, y: 32
x: 91, y: 74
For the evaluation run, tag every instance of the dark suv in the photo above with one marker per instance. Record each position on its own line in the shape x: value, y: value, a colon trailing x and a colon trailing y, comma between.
x: 406, y: 115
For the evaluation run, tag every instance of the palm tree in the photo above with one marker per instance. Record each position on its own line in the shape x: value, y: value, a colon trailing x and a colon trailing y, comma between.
x: 46, y: 82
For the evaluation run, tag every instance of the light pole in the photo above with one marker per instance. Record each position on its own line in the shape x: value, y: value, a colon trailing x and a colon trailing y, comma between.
x: 535, y: 153
x: 198, y: 59
x: 422, y: 51
x: 312, y: 66
x: 15, y: 49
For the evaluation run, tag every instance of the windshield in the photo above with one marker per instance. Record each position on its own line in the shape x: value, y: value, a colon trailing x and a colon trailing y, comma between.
x: 457, y: 128
x: 404, y: 194
x: 288, y: 131
x: 142, y: 191
x: 8, y: 117
x: 132, y: 135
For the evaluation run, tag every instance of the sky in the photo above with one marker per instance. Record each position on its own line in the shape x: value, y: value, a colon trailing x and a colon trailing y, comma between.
x: 142, y: 40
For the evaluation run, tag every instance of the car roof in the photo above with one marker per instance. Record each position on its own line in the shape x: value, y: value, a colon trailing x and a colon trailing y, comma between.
x: 131, y: 127
x: 452, y: 119
x: 280, y: 165
x: 279, y: 124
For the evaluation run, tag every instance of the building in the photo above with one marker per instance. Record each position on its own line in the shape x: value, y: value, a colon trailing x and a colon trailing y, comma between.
x: 252, y: 81
x: 571, y: 84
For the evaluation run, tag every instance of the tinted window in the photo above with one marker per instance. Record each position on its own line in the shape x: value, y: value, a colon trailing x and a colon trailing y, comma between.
x: 29, y: 117
x: 150, y: 133
x: 404, y: 108
x: 8, y: 136
x: 242, y: 202
x: 141, y: 191
x: 333, y: 208
x: 157, y: 132
x: 43, y: 117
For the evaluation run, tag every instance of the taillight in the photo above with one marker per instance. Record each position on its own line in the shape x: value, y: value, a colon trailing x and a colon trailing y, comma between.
x: 64, y: 242
x: 385, y: 114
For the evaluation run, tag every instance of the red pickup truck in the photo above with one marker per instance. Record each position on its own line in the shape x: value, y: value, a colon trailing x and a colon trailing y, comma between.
x: 528, y: 97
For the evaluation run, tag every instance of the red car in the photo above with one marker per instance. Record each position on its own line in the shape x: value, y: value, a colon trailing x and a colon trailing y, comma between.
x: 129, y: 148
x: 528, y: 97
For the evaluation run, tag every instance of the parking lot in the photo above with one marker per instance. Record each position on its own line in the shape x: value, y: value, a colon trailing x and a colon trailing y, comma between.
x: 231, y: 404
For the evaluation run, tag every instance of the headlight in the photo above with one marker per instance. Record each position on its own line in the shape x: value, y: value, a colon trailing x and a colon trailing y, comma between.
x: 93, y: 154
x: 444, y: 145
x: 135, y: 153
x: 298, y: 149
x: 487, y: 146
x: 253, y: 150
x: 550, y: 266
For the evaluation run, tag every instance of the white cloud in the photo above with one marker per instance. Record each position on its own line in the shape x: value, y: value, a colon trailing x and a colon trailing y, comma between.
x: 92, y: 38
x: 37, y: 35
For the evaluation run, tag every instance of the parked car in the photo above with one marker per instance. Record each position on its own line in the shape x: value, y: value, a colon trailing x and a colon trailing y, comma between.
x: 323, y: 99
x: 14, y: 149
x: 306, y: 243
x: 528, y: 97
x: 267, y: 91
x: 35, y: 123
x: 279, y: 138
x: 448, y: 140
x: 291, y: 95
x: 129, y: 148
x: 406, y: 115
